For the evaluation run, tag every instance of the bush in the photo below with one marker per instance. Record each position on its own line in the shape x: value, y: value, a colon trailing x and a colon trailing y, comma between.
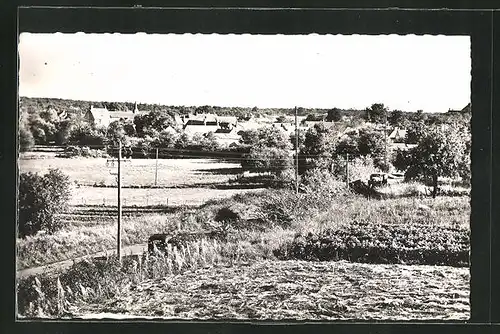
x: 85, y: 151
x: 41, y: 198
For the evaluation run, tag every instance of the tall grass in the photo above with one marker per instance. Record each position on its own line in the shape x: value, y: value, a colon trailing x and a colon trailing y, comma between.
x: 83, y: 240
x: 95, y: 280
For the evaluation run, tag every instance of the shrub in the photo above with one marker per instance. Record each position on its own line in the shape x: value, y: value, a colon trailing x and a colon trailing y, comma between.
x: 85, y: 151
x: 41, y: 198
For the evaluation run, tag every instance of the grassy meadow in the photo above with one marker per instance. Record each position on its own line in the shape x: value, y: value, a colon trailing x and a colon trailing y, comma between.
x: 137, y: 172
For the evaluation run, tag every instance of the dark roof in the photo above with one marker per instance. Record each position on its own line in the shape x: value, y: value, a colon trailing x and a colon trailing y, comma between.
x: 224, y: 131
x: 194, y: 122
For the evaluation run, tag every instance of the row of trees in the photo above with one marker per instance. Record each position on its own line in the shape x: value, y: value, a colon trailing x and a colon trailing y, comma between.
x: 439, y: 151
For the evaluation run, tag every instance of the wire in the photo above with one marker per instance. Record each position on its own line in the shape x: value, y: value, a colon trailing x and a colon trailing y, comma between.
x: 207, y: 153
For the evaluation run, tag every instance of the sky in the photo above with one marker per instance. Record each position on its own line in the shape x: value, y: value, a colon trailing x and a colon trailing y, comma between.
x: 432, y: 73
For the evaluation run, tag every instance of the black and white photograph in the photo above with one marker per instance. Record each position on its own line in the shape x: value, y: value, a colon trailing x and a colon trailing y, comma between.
x: 243, y: 177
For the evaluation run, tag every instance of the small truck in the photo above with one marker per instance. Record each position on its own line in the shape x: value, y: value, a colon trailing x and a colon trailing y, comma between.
x: 377, y: 180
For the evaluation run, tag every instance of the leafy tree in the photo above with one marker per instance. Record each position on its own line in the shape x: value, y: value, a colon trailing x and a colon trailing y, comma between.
x: 42, y: 130
x: 263, y: 159
x: 156, y: 120
x: 205, y: 142
x: 397, y: 118
x: 334, y: 115
x: 266, y: 136
x: 182, y: 141
x: 414, y: 132
x: 116, y: 132
x: 319, y: 146
x: 41, y: 198
x: 26, y: 140
x: 419, y: 116
x: 439, y: 152
x: 302, y: 138
x: 165, y: 139
x: 63, y: 132
x: 210, y: 142
x: 86, y: 135
x: 377, y: 113
x: 49, y: 115
x: 314, y: 118
x: 269, y: 151
x: 371, y: 142
x: 205, y: 110
x: 249, y: 137
x: 129, y: 128
x: 348, y: 145
x: 464, y: 166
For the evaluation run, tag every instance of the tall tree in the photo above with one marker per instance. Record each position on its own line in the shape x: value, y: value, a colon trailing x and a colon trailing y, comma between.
x: 26, y: 140
x: 377, y: 113
x: 319, y: 146
x: 397, y: 118
x: 440, y: 151
x: 263, y: 159
x: 269, y: 151
x: 334, y: 115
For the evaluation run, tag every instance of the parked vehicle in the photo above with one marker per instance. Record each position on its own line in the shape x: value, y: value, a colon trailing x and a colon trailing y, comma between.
x: 378, y: 179
x: 161, y: 241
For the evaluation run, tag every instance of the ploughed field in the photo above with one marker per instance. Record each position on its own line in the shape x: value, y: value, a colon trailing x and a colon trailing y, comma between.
x: 296, y: 290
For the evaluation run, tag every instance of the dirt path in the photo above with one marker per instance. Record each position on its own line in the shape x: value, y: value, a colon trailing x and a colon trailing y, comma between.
x: 57, y: 266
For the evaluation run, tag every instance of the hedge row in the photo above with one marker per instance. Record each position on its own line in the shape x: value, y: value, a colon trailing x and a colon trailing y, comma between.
x: 424, y: 244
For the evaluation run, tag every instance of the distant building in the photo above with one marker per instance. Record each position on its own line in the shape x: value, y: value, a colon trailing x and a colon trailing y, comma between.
x: 227, y: 137
x: 103, y: 117
x: 205, y: 123
x: 465, y: 109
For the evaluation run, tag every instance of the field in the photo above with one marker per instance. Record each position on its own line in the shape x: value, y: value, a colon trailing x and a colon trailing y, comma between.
x: 137, y: 172
x: 296, y: 290
x: 179, y: 181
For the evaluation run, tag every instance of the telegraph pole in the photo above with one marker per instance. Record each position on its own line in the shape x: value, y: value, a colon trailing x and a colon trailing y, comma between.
x: 296, y: 154
x: 385, y: 140
x: 119, y: 236
x: 156, y: 168
x: 347, y: 170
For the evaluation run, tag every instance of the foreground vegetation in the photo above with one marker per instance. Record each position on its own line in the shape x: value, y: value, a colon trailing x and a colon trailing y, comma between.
x: 264, y: 226
x: 277, y: 290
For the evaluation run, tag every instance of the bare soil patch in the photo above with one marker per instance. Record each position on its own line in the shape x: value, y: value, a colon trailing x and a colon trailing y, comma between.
x: 296, y: 290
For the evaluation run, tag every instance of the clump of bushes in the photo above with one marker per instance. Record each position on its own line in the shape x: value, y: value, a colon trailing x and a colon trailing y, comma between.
x: 84, y: 151
x: 41, y: 198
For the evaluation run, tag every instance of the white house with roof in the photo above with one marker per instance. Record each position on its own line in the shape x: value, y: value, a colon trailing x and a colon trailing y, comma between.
x: 205, y: 123
x: 103, y: 117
